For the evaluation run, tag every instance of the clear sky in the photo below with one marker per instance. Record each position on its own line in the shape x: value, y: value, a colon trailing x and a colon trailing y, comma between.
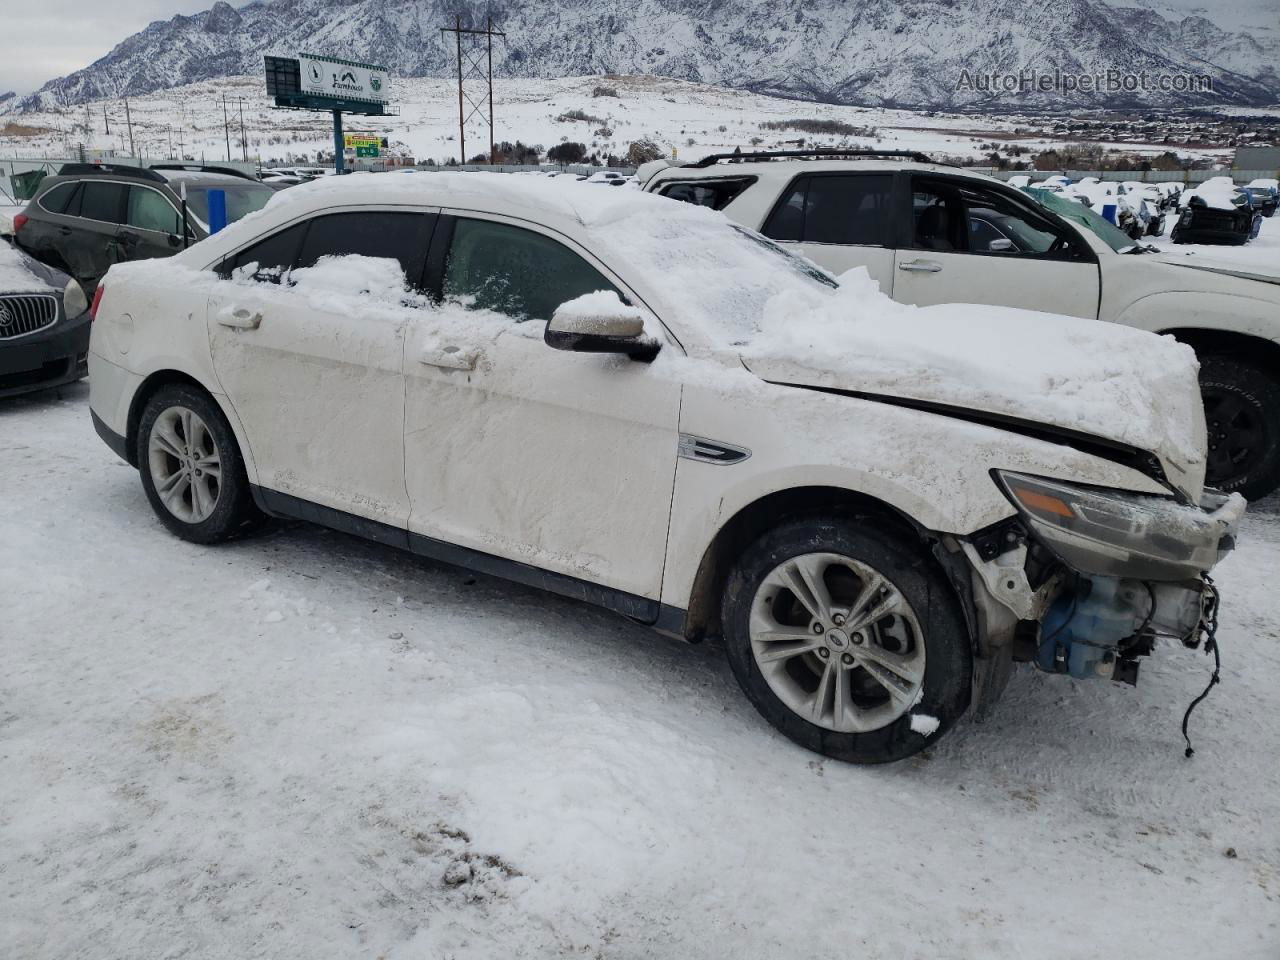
x: 44, y: 39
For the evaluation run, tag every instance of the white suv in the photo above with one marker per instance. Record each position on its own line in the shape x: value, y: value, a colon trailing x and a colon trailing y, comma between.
x: 931, y: 233
x: 641, y: 405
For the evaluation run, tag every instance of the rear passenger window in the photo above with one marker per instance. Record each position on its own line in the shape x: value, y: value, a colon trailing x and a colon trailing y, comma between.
x: 374, y: 233
x: 273, y: 256
x: 846, y: 209
x: 716, y: 194
x: 55, y: 201
x: 103, y: 200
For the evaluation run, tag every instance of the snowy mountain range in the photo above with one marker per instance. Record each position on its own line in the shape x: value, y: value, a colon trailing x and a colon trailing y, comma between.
x: 911, y: 53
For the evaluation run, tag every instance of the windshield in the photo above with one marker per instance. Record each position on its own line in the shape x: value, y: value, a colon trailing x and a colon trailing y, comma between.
x: 1077, y: 212
x: 707, y: 272
x: 242, y: 198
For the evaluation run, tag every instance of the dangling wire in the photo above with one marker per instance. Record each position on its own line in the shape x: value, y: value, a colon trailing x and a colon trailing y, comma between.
x: 1210, y: 645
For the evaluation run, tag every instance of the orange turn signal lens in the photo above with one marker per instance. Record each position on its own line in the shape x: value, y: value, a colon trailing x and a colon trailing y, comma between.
x: 1042, y: 502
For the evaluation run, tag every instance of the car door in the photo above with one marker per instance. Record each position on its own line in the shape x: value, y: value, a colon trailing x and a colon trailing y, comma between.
x: 839, y: 221
x: 969, y: 243
x: 49, y: 222
x: 152, y: 225
x: 525, y: 455
x: 86, y: 238
x: 314, y: 371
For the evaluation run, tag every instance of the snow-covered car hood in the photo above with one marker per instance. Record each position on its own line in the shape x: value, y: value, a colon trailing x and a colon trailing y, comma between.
x: 1225, y: 267
x: 1099, y: 386
x: 21, y: 273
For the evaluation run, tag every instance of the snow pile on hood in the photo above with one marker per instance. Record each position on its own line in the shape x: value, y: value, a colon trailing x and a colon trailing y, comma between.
x: 1101, y: 379
x: 16, y: 276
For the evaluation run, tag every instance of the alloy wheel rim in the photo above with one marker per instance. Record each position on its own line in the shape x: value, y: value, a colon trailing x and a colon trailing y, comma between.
x: 837, y: 642
x: 184, y: 463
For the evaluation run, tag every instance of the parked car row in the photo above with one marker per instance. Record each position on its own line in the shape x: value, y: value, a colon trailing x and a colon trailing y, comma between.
x: 91, y: 216
x: 647, y: 406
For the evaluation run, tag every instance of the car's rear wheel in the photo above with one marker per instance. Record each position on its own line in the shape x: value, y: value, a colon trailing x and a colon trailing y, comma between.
x: 847, y: 640
x: 1242, y: 414
x: 191, y: 466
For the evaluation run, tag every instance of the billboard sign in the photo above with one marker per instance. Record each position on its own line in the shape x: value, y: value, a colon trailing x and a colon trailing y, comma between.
x: 362, y: 144
x: 335, y: 79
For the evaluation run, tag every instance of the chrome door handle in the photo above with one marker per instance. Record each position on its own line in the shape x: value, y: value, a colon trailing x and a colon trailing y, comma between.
x: 240, y: 319
x: 921, y: 266
x: 450, y: 358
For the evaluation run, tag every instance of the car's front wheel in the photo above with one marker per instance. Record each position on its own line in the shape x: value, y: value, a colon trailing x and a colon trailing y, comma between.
x: 847, y: 639
x: 1242, y: 413
x: 191, y: 466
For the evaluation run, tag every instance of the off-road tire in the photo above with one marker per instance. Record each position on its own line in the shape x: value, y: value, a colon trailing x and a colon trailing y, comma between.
x: 1256, y: 395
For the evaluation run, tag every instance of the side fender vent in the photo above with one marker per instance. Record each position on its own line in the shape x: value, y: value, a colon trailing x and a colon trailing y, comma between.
x: 710, y: 451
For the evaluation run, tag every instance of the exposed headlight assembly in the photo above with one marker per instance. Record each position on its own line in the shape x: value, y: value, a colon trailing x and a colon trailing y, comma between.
x: 74, y: 301
x: 1111, y: 533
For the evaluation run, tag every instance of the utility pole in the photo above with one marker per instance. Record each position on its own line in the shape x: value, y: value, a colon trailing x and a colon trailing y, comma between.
x: 244, y: 141
x: 477, y: 67
x: 105, y: 122
x: 488, y: 29
x: 169, y: 133
x: 226, y: 126
x: 129, y: 121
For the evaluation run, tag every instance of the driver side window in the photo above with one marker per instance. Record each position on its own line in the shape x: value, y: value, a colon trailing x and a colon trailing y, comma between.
x: 962, y: 217
x: 517, y: 272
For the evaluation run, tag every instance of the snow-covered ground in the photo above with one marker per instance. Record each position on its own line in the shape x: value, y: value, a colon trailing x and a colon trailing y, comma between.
x: 693, y: 119
x: 305, y: 745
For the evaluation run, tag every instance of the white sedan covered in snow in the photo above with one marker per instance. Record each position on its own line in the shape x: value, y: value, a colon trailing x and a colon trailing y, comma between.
x: 637, y: 403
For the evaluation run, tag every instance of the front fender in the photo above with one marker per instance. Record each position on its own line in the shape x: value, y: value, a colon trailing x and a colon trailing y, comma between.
x: 933, y: 470
x: 1219, y: 312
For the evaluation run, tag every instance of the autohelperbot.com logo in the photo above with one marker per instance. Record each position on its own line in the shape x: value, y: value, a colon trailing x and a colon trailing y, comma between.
x: 1032, y: 80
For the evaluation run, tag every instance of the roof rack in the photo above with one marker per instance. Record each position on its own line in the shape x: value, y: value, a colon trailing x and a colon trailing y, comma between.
x: 204, y: 168
x: 115, y: 169
x: 820, y: 152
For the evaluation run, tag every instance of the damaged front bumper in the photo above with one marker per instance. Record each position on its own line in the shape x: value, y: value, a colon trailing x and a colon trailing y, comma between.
x: 1083, y: 580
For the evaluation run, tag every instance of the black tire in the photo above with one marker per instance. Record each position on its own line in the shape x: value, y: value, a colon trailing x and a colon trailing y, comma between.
x: 946, y: 685
x: 234, y: 512
x: 1242, y: 411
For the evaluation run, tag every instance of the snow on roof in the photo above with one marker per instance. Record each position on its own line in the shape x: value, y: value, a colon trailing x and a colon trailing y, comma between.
x: 563, y: 197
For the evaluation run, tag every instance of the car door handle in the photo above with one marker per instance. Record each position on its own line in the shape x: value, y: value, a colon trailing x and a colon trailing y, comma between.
x: 240, y: 319
x: 65, y: 231
x: 921, y: 266
x: 450, y: 358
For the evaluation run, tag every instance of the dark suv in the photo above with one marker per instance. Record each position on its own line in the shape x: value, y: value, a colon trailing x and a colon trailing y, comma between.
x: 88, y: 216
